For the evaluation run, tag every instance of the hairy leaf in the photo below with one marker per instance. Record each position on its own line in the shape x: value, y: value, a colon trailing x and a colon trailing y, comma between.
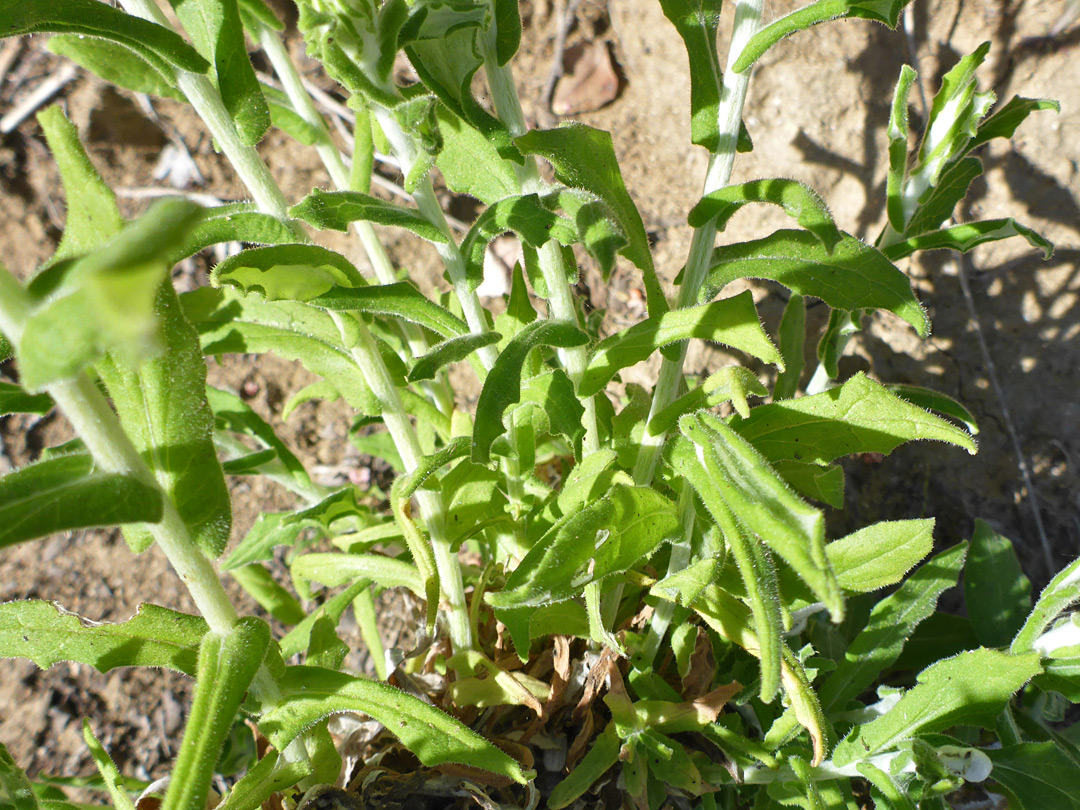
x: 971, y: 688
x: 469, y: 163
x: 287, y: 272
x: 883, y: 11
x: 234, y: 222
x: 227, y: 665
x: 935, y: 401
x: 731, y: 383
x: 732, y: 321
x: 332, y: 570
x: 859, y: 416
x: 891, y: 622
x: 1005, y: 121
x: 937, y: 203
x: 310, y: 694
x: 606, y: 537
x: 799, y: 201
x: 339, y: 209
x: 450, y: 351
x: 880, y: 555
x: 155, y: 636
x: 398, y: 300
x: 853, y: 276
x: 1056, y: 597
x: 584, y: 157
x: 116, y: 64
x: 502, y: 388
x: 898, y: 149
x: 968, y: 235
x: 822, y: 483
x: 792, y: 339
x: 66, y: 493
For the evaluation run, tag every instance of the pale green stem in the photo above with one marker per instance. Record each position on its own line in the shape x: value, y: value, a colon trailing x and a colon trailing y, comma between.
x: 733, y: 97
x: 206, y: 100
x: 679, y: 559
x: 560, y: 297
x: 366, y: 354
x: 332, y: 159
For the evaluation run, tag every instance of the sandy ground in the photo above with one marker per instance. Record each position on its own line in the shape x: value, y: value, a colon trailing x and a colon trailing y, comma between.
x: 817, y: 111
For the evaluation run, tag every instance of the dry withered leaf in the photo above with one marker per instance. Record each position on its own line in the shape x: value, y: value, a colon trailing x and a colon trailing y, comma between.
x: 590, y: 82
x: 699, y: 676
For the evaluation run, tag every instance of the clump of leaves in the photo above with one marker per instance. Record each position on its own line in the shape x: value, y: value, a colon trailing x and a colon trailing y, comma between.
x: 627, y: 598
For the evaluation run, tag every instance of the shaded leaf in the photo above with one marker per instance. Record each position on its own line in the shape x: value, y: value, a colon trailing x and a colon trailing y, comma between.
x: 13, y: 399
x: 935, y: 401
x: 339, y: 209
x: 1036, y: 775
x: 997, y: 593
x: 968, y: 235
x: 449, y: 351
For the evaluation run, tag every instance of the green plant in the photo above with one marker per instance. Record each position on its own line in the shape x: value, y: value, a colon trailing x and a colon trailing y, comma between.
x: 677, y: 567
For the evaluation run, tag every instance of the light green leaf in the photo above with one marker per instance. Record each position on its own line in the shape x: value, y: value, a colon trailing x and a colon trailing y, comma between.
x: 114, y: 782
x: 1036, y: 776
x: 339, y: 209
x: 937, y: 203
x: 1063, y: 591
x: 764, y: 504
x: 792, y: 339
x: 853, y: 276
x: 262, y: 780
x: 799, y: 201
x: 822, y: 483
x: 155, y: 636
x: 602, y: 755
x: 227, y: 665
x: 217, y: 32
x: 997, y: 593
x: 92, y: 215
x: 156, y: 44
x: 886, y: 792
x: 935, y: 401
x: 269, y: 531
x: 310, y: 694
x: 102, y: 302
x: 231, y: 413
x: 398, y: 300
x: 596, y: 227
x: 606, y: 537
x: 731, y: 383
x: 891, y: 622
x: 298, y: 639
x: 842, y: 324
x: 968, y: 235
x: 732, y: 321
x: 584, y: 157
x: 553, y: 394
x: 229, y: 322
x: 284, y: 116
x: 971, y: 689
x: 525, y: 215
x: 469, y: 163
x: 272, y: 597
x: 67, y: 493
x: 898, y: 148
x: 116, y: 64
x: 860, y: 416
x: 234, y: 222
x: 883, y: 11
x: 450, y: 351
x: 880, y: 555
x: 502, y: 388
x: 332, y: 569
x: 163, y: 408
x: 697, y: 22
x: 17, y: 787
x: 1005, y: 121
x: 13, y: 399
x: 287, y: 272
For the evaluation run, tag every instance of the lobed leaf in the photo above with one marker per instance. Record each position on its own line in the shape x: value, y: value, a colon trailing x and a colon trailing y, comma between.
x: 732, y: 321
x: 997, y: 593
x: 339, y: 209
x: 971, y: 689
x: 859, y: 416
x: 799, y: 201
x: 67, y: 493
x: 502, y: 388
x: 852, y: 276
x: 606, y: 537
x: 883, y: 11
x: 310, y: 694
x: 892, y: 621
x: 155, y: 636
x: 969, y: 235
x: 584, y: 158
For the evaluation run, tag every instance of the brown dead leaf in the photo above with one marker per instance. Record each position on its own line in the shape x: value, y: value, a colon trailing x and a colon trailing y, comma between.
x: 699, y: 675
x: 709, y: 706
x: 582, y: 740
x: 590, y: 82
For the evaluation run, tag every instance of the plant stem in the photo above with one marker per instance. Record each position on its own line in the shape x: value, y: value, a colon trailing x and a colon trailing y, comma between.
x: 733, y: 97
x: 206, y: 100
x: 274, y: 48
x: 560, y: 298
x: 366, y: 354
